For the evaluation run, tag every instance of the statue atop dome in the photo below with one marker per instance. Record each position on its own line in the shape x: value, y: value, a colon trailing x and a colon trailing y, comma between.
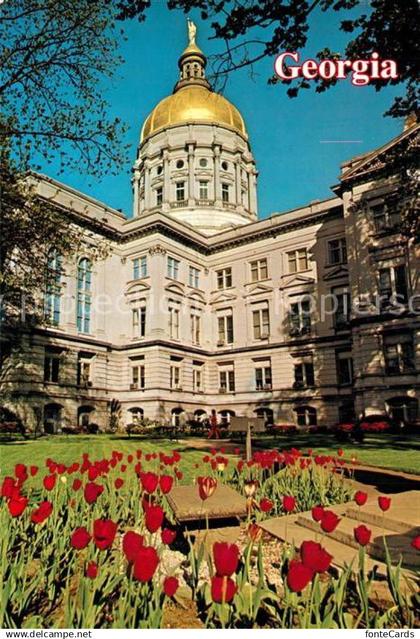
x: 192, y: 32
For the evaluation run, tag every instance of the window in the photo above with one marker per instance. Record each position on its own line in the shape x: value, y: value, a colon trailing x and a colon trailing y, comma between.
x: 337, y: 251
x: 392, y: 286
x: 344, y: 365
x: 341, y: 302
x: 139, y: 321
x: 175, y: 377
x: 195, y: 329
x: 225, y: 165
x: 84, y: 296
x: 138, y: 377
x: 203, y: 162
x: 52, y: 367
x: 137, y: 415
x: 139, y: 267
x: 261, y: 323
x: 398, y: 353
x: 300, y: 318
x: 194, y: 277
x: 180, y: 164
x: 197, y: 378
x: 259, y: 270
x: 180, y: 191
x: 53, y: 288
x: 225, y: 192
x: 225, y: 329
x: 384, y: 218
x: 263, y: 379
x: 204, y: 190
x: 159, y: 195
x: 227, y: 381
x: 224, y: 278
x: 306, y: 416
x: 84, y: 371
x: 159, y: 169
x: 304, y: 375
x: 173, y: 322
x: 173, y: 268
x: 297, y: 260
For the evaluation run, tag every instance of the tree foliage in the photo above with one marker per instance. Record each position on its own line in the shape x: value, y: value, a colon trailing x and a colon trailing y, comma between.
x: 255, y: 29
x: 53, y: 57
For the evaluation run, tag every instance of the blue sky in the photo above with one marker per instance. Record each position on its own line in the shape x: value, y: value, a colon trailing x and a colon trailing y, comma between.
x: 287, y: 136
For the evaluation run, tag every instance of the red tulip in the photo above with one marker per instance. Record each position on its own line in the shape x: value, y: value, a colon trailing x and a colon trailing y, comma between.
x: 266, y: 505
x: 17, y: 505
x: 165, y: 483
x: 360, y: 498
x: 42, y: 513
x: 226, y: 557
x: 206, y: 487
x: 329, y: 521
x: 49, y: 481
x: 384, y: 503
x: 289, y: 503
x: 92, y: 570
x: 362, y: 535
x: 92, y: 492
x: 118, y: 483
x: 317, y: 512
x: 298, y: 576
x: 104, y: 531
x: 80, y: 538
x: 255, y: 532
x: 223, y: 589
x: 132, y: 542
x: 33, y: 470
x: 170, y: 586
x: 415, y: 543
x: 92, y: 473
x: 179, y: 475
x: 154, y: 518
x: 168, y: 536
x: 9, y: 487
x: 315, y: 557
x: 130, y: 459
x: 77, y: 484
x: 145, y: 564
x: 149, y: 482
x: 340, y: 452
x: 21, y: 472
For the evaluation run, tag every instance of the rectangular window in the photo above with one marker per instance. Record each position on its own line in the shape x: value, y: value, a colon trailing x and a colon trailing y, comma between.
x: 52, y: 368
x: 259, y: 270
x: 384, y: 218
x: 173, y: 268
x: 138, y: 377
x: 173, y: 323
x: 139, y: 267
x: 194, y: 277
x: 392, y: 287
x: 300, y: 318
x: 197, y: 380
x: 225, y: 192
x: 225, y: 329
x: 204, y: 190
x: 297, y: 260
x: 337, y: 251
x: 224, y: 278
x: 344, y: 364
x: 263, y: 379
x: 139, y: 321
x: 399, y: 353
x: 175, y: 377
x: 84, y: 372
x: 304, y: 375
x: 195, y: 329
x: 180, y: 191
x: 52, y: 298
x: 261, y: 323
x: 227, y: 381
x: 159, y: 195
x: 341, y: 303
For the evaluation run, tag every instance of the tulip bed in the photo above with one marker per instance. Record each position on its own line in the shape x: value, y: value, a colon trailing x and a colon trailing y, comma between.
x: 87, y: 544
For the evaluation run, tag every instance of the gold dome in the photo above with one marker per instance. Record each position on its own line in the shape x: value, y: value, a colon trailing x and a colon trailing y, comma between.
x: 190, y: 104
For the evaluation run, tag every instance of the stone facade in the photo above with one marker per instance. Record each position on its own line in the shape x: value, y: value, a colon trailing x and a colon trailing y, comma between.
x: 197, y: 305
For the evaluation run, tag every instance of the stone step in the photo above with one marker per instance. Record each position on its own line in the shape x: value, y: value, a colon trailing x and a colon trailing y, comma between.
x: 399, y: 545
x: 374, y: 517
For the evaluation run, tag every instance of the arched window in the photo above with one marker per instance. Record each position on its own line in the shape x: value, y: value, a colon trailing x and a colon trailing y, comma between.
x: 403, y: 409
x: 306, y: 416
x: 225, y: 416
x: 136, y: 414
x: 176, y: 416
x: 265, y: 413
x: 84, y: 295
x: 53, y: 287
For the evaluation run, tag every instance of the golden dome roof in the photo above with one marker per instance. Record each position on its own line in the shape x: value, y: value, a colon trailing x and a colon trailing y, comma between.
x: 190, y: 104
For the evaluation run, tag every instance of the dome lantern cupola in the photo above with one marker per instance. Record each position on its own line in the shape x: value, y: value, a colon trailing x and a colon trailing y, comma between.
x: 192, y: 63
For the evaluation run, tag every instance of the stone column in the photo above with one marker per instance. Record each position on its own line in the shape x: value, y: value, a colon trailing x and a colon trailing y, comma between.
x: 238, y: 180
x: 166, y: 181
x: 217, y: 185
x: 191, y: 193
x: 146, y: 186
x: 136, y: 202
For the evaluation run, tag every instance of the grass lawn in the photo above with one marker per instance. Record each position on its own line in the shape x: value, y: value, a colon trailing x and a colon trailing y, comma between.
x: 398, y: 452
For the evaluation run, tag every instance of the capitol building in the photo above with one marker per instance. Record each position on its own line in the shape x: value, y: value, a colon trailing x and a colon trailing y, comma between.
x: 195, y: 304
